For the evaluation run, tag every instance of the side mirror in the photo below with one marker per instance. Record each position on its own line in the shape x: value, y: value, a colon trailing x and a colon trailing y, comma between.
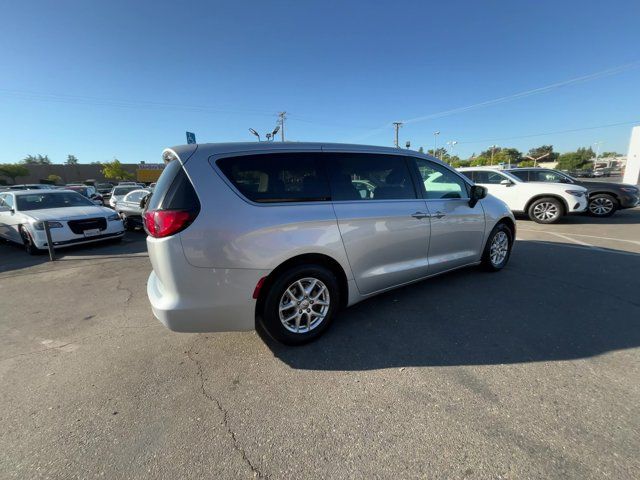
x: 477, y: 193
x: 506, y: 182
x: 6, y: 209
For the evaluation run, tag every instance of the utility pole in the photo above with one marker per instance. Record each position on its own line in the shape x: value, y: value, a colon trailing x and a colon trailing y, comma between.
x: 283, y: 117
x: 435, y: 143
x: 397, y: 126
x: 597, y: 145
x: 493, y: 149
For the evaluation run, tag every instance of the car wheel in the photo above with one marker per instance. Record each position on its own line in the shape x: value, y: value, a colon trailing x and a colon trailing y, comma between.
x: 498, y: 248
x: 301, y: 304
x: 602, y: 205
x: 27, y: 241
x: 127, y: 224
x: 546, y: 210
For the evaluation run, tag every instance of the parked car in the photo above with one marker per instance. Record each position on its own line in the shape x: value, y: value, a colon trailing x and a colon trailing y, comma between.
x: 280, y: 233
x: 604, y: 197
x: 73, y: 219
x: 130, y: 208
x: 543, y: 203
x: 118, y: 193
x: 30, y: 186
x: 89, y: 192
x: 104, y: 188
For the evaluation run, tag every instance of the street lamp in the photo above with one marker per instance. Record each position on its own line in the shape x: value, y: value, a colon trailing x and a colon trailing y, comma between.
x: 452, y: 143
x: 255, y: 133
x: 597, y: 145
x: 435, y: 143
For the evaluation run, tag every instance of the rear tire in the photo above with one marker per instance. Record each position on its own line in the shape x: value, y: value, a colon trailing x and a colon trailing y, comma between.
x: 29, y: 245
x: 602, y: 205
x: 546, y: 210
x: 497, y: 251
x: 300, y: 304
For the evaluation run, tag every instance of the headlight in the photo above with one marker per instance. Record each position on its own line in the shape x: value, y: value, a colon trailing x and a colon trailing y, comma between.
x: 40, y: 225
x: 629, y: 189
x: 113, y: 217
x: 576, y: 193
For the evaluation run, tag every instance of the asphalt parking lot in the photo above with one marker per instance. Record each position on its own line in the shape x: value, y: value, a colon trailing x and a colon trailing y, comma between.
x: 528, y: 373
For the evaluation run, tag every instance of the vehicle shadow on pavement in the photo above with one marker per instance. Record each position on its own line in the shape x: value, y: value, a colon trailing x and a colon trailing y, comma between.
x: 553, y: 302
x: 13, y: 256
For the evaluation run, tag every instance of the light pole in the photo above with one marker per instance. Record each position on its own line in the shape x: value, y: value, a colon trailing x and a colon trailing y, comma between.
x: 397, y: 126
x: 452, y: 143
x: 435, y: 143
x: 255, y: 133
x: 597, y: 145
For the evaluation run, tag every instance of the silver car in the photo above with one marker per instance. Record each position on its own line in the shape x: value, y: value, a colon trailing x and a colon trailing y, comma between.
x: 280, y: 233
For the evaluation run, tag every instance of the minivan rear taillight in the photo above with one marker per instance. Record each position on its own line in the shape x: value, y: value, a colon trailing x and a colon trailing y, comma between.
x: 162, y: 223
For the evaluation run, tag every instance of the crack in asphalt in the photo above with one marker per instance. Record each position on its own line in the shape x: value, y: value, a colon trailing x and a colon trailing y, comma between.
x: 225, y: 419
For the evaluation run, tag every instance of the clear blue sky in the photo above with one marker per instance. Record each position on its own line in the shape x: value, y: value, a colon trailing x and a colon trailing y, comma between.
x: 117, y: 79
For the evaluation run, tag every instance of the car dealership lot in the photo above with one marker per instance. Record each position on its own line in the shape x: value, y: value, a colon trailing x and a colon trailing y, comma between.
x: 529, y: 373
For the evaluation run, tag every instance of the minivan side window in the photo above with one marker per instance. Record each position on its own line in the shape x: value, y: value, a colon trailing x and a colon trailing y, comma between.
x: 521, y: 174
x: 277, y: 177
x: 439, y: 182
x: 365, y: 176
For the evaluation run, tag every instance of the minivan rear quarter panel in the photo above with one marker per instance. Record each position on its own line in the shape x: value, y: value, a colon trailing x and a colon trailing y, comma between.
x: 243, y: 234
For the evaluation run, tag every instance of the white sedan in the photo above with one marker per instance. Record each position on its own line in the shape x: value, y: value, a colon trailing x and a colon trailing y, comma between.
x: 72, y: 218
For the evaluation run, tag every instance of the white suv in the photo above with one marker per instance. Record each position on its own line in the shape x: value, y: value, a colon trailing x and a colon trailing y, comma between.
x: 543, y: 202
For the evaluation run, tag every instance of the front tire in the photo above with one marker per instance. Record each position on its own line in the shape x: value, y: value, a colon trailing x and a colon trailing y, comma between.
x: 546, y: 210
x: 602, y: 205
x: 27, y: 241
x: 497, y: 251
x: 301, y: 304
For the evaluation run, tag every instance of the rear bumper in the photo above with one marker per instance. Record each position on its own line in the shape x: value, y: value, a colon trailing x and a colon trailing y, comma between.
x: 629, y: 201
x: 194, y: 299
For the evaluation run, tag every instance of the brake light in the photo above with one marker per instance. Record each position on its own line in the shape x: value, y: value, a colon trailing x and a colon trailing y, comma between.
x: 162, y: 223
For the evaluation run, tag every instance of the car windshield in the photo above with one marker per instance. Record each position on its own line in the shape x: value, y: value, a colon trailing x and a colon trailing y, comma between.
x: 124, y: 190
x: 40, y: 201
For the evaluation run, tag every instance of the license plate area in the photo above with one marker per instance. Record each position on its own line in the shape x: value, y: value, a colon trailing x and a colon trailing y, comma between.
x: 92, y: 232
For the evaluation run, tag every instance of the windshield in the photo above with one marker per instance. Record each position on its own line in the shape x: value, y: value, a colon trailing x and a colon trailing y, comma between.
x: 41, y: 201
x: 124, y: 190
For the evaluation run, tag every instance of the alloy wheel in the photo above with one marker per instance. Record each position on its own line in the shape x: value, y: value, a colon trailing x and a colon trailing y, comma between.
x: 546, y: 211
x: 499, y: 248
x: 304, y: 305
x: 601, y: 206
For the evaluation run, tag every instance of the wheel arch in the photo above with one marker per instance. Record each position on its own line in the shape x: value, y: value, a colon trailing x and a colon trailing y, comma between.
x: 563, y: 202
x: 611, y: 194
x: 302, y: 259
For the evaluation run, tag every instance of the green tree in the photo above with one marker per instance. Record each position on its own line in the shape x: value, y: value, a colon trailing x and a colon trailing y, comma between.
x: 538, y: 152
x: 36, y: 160
x: 421, y: 150
x: 116, y: 171
x: 610, y: 154
x: 54, y: 178
x: 13, y: 171
x: 479, y: 161
x: 440, y: 153
x: 71, y: 160
x: 586, y: 154
x: 571, y: 161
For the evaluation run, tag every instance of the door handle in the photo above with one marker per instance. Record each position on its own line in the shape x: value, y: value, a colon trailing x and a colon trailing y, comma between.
x: 420, y: 215
x: 437, y: 215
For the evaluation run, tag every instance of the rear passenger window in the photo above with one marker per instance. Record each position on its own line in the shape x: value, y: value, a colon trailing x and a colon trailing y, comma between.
x: 362, y: 176
x: 488, y: 177
x: 522, y: 174
x: 277, y: 177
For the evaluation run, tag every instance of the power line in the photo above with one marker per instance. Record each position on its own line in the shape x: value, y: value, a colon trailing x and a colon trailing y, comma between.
x: 550, y: 133
x: 515, y: 96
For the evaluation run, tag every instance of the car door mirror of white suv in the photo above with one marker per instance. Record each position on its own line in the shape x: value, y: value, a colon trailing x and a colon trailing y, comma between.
x: 506, y: 182
x: 477, y: 193
x: 6, y: 209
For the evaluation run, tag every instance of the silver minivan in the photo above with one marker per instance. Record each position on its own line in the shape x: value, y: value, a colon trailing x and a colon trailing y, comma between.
x: 286, y: 234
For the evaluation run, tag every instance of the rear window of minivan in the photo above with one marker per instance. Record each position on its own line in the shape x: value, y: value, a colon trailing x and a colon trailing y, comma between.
x: 277, y: 177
